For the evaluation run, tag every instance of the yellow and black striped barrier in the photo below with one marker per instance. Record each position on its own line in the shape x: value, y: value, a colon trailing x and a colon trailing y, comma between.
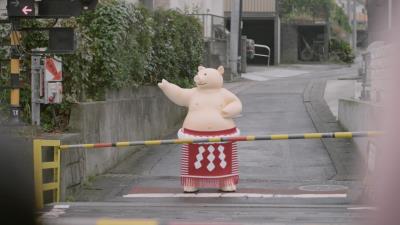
x: 53, y: 187
x: 346, y: 135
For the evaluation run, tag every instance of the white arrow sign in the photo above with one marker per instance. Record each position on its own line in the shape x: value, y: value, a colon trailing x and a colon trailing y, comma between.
x: 26, y: 10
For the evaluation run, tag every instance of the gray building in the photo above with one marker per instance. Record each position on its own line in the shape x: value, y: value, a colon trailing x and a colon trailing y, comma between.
x: 261, y: 23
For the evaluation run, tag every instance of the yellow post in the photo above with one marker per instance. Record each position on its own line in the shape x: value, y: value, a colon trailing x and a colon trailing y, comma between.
x: 37, y: 170
x: 57, y: 158
x: 39, y: 166
x: 15, y: 70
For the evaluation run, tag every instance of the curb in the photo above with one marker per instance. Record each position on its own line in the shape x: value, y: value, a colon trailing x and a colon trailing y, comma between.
x: 343, y: 153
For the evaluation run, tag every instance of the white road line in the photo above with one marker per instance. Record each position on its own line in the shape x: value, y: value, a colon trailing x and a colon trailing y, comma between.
x: 363, y: 208
x: 56, y: 211
x: 312, y: 196
x: 61, y: 207
x: 231, y: 195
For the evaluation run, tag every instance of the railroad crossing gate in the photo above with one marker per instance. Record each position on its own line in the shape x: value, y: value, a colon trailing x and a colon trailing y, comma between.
x: 46, y: 155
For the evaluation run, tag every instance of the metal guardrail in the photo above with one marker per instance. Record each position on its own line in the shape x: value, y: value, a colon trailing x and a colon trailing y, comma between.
x: 262, y: 55
x: 55, y: 147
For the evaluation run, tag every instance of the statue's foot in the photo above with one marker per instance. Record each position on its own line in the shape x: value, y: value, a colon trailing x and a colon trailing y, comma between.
x: 188, y: 189
x: 229, y: 188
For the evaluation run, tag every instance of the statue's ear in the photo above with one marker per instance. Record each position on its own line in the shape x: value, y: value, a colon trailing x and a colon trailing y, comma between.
x: 221, y: 70
x: 201, y: 68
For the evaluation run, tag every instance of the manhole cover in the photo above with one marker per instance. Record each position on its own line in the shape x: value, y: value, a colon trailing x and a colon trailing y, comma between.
x: 323, y: 188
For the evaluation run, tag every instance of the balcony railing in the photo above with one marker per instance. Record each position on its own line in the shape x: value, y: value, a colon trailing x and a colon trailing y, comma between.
x: 213, y: 26
x: 253, y: 5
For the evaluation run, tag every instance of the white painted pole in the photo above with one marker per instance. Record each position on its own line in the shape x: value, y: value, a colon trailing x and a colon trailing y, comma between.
x: 35, y: 85
x: 349, y: 11
x: 350, y: 39
x: 234, y: 37
x: 354, y: 26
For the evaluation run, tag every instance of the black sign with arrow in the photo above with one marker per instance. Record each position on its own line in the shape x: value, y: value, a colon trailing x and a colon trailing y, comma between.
x: 21, y: 8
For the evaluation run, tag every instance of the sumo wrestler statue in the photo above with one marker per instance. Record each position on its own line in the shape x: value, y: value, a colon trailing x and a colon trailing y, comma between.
x: 210, y: 111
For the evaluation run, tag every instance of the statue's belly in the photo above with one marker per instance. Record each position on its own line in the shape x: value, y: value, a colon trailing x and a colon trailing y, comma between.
x: 207, y: 120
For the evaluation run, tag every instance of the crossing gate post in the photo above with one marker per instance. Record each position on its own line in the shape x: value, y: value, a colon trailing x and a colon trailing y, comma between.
x: 46, y: 157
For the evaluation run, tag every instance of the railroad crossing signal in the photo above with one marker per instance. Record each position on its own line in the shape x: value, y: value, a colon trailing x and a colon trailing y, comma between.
x: 49, y: 8
x: 21, y: 8
x: 60, y: 39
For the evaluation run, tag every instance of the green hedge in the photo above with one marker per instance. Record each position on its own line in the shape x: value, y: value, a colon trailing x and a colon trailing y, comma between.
x: 122, y: 45
x: 125, y: 45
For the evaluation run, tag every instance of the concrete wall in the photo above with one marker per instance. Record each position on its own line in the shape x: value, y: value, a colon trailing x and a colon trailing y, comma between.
x: 382, y: 58
x: 127, y: 114
x: 355, y: 115
x: 289, y: 43
x: 215, y: 53
x: 73, y: 172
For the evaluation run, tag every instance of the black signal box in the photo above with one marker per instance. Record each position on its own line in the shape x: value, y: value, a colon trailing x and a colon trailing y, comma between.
x: 61, y: 40
x: 49, y: 8
x: 21, y: 8
x: 59, y: 8
x: 64, y: 8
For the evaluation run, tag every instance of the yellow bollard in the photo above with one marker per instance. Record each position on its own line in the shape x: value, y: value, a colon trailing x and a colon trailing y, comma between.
x: 39, y: 166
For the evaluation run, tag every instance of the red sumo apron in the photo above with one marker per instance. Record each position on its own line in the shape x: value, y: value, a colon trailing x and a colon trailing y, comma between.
x: 213, y: 165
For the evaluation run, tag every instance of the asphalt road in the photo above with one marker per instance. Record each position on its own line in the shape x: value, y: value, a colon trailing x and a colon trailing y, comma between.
x: 282, y: 182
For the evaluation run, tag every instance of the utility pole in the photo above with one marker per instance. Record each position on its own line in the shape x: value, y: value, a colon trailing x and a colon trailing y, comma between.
x: 349, y: 11
x: 14, y: 78
x: 354, y: 26
x: 36, y: 70
x: 234, y: 37
x: 390, y: 5
x: 240, y: 38
x: 350, y: 39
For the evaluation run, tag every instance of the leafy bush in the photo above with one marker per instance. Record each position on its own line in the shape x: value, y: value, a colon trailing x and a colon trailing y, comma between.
x: 341, y: 50
x: 320, y: 9
x: 177, y: 47
x: 310, y: 10
x: 125, y: 45
x: 121, y: 45
x: 340, y: 18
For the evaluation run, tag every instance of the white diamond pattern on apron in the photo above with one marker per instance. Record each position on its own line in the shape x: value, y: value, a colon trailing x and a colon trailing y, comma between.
x: 199, y: 157
x: 222, y: 156
x: 211, y: 158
